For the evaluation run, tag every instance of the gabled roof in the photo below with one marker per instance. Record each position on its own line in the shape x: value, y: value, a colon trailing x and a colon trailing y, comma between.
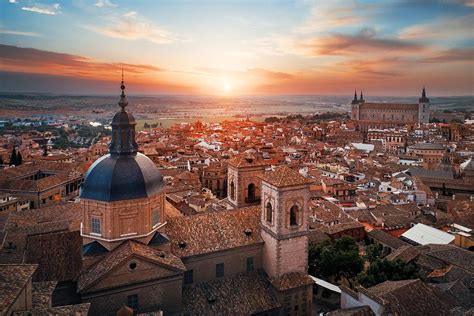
x: 283, y: 176
x: 123, y: 252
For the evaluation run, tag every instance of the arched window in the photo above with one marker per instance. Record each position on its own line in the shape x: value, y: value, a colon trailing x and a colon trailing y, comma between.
x: 251, y: 192
x: 232, y: 190
x: 269, y: 210
x: 294, y: 215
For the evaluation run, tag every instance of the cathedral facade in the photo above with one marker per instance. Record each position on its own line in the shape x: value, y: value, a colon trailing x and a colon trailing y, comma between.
x: 380, y: 115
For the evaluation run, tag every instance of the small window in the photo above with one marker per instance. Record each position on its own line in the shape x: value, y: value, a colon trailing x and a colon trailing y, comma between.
x: 188, y: 277
x: 250, y: 264
x: 219, y: 270
x: 132, y: 301
x: 96, y: 225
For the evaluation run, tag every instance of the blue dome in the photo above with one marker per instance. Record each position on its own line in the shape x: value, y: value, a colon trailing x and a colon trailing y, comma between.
x: 119, y: 178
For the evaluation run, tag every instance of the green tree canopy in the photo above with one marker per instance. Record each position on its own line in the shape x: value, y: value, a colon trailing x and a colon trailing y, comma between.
x: 372, y: 252
x: 382, y: 270
x: 337, y: 258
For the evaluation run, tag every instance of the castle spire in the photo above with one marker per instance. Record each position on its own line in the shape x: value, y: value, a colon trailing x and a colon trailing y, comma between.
x: 354, y: 101
x: 423, y: 98
x: 361, y: 97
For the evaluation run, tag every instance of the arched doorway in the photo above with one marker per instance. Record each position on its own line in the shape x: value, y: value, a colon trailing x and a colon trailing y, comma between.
x: 251, y: 192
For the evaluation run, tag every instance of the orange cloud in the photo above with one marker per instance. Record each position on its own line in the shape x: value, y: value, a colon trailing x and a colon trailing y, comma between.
x: 31, y: 60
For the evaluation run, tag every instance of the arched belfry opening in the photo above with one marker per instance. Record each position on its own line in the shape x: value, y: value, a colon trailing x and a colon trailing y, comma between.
x: 232, y: 190
x: 294, y: 210
x: 269, y: 212
x: 251, y: 192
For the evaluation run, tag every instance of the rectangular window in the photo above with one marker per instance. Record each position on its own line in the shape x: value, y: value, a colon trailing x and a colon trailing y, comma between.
x: 95, y: 225
x: 219, y: 270
x: 250, y: 265
x: 132, y: 301
x: 188, y: 277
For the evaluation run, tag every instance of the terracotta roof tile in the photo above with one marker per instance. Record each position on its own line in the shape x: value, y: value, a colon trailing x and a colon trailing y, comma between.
x: 291, y: 280
x: 243, y: 294
x: 283, y: 176
x: 216, y: 231
x: 12, y: 280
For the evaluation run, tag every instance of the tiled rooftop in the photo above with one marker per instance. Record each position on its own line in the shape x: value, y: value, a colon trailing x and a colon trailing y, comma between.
x: 243, y: 294
x: 216, y: 231
x: 12, y: 280
x: 283, y: 176
x: 291, y: 280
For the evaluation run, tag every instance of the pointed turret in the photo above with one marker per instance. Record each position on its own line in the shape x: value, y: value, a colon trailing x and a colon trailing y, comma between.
x: 354, y: 101
x: 361, y: 100
x: 423, y: 98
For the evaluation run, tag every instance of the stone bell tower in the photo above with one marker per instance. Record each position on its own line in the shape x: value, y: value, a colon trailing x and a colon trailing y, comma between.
x: 284, y: 220
x: 423, y: 108
x: 243, y: 179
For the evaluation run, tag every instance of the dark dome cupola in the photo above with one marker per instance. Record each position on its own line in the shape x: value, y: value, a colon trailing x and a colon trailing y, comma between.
x: 124, y: 174
x: 122, y: 194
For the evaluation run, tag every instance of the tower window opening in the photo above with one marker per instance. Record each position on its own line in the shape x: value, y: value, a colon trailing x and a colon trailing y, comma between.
x: 269, y: 212
x: 232, y: 190
x: 294, y: 215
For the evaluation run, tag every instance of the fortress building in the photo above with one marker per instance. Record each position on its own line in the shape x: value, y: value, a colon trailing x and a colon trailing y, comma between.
x: 251, y: 259
x: 381, y: 115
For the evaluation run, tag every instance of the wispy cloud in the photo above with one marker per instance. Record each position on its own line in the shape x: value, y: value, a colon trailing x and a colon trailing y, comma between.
x: 452, y: 55
x: 365, y: 41
x: 13, y: 1
x: 441, y: 30
x: 53, y: 9
x: 20, y: 33
x: 104, y: 3
x: 131, y: 26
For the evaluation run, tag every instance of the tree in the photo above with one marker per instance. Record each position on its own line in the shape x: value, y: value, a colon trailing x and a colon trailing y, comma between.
x: 382, y: 270
x: 13, y: 158
x: 19, y: 159
x: 372, y: 252
x: 336, y: 258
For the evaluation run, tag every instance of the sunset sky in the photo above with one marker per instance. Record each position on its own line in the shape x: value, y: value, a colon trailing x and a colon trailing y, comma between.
x: 238, y: 47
